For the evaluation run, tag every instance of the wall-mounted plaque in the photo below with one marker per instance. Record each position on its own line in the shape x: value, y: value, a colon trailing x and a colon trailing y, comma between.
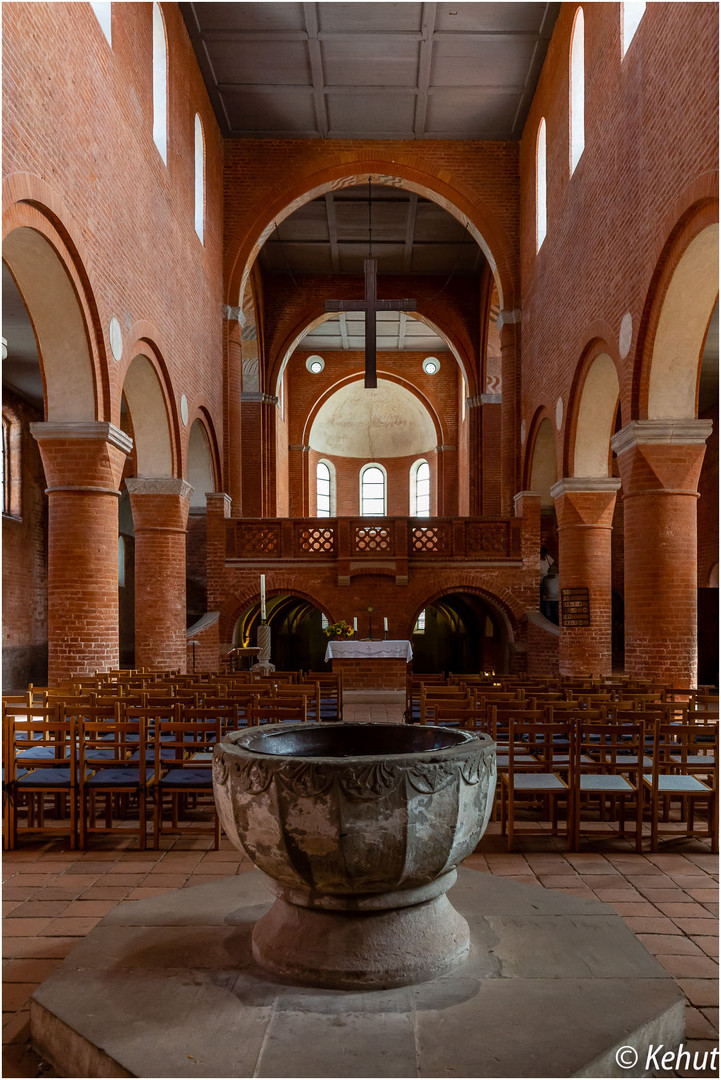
x: 575, y: 607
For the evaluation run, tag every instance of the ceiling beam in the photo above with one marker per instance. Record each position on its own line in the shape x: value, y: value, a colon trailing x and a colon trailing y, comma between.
x: 310, y: 13
x: 425, y: 56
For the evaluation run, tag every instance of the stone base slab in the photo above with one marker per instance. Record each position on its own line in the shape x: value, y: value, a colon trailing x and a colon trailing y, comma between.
x: 553, y: 986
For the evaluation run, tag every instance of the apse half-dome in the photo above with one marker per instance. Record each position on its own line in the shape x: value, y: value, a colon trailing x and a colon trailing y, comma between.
x: 386, y: 422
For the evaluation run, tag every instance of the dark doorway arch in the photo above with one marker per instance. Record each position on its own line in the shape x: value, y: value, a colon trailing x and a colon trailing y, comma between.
x: 297, y: 639
x: 460, y: 632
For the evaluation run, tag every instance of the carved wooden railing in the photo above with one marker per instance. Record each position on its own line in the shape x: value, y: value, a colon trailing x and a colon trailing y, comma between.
x: 475, y: 539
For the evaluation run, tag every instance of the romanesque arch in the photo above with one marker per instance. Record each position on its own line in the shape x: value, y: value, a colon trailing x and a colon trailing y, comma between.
x: 45, y: 259
x: 147, y: 401
x: 593, y: 414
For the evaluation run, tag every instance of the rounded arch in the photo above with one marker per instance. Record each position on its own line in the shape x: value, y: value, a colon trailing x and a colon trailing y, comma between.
x: 385, y: 422
x: 395, y: 170
x: 541, y: 461
x: 504, y: 612
x: 237, y: 605
x: 201, y: 467
x: 313, y: 319
x: 678, y: 309
x: 144, y: 393
x: 46, y: 258
x: 390, y: 377
x: 201, y: 415
x: 594, y: 406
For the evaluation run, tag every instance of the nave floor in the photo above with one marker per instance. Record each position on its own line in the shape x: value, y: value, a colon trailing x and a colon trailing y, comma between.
x: 53, y: 897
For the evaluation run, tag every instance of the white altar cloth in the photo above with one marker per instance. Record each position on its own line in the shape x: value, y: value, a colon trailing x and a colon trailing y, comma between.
x: 383, y: 650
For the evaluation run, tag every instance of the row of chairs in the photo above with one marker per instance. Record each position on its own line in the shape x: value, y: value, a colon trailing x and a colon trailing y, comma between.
x: 624, y: 771
x: 102, y: 747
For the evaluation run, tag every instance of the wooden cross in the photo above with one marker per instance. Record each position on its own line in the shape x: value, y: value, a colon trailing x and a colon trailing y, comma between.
x: 370, y: 305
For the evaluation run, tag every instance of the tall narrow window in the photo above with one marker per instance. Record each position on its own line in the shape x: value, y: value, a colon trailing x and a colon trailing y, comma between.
x: 103, y: 14
x: 160, y: 84
x: 373, y: 491
x: 420, y: 489
x: 324, y: 493
x: 631, y: 15
x: 541, y: 185
x: 577, y: 90
x: 199, y: 177
x: 420, y: 626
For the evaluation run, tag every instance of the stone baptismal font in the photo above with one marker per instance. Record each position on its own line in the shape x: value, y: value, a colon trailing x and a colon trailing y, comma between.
x: 359, y: 829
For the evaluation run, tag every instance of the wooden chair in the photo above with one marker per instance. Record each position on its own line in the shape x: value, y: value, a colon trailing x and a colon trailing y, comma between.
x: 685, y: 768
x: 526, y: 774
x: 607, y: 767
x: 183, y: 758
x: 112, y: 767
x: 279, y: 710
x: 40, y: 764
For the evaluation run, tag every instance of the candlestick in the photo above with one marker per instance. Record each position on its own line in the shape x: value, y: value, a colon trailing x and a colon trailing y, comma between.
x: 262, y: 597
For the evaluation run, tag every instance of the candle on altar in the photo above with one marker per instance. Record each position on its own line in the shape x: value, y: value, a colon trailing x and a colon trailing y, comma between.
x: 262, y: 597
x: 385, y: 624
x: 355, y: 625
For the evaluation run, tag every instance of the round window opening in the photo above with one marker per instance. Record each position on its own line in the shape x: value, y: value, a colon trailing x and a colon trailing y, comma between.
x: 315, y: 364
x: 431, y: 365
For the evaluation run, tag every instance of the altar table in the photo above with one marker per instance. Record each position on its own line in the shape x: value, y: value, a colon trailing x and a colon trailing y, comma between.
x: 371, y: 665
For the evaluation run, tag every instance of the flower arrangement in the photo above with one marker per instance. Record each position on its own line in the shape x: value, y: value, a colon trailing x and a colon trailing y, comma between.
x: 339, y: 629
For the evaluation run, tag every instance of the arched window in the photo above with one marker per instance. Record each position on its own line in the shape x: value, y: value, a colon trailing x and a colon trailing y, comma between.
x: 577, y: 90
x: 160, y: 84
x: 541, y: 184
x: 631, y: 15
x: 199, y: 177
x: 324, y: 489
x: 420, y: 489
x: 420, y: 627
x: 103, y: 14
x: 372, y: 491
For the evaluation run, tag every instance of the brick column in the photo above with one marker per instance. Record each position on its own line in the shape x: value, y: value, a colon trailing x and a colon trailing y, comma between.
x: 259, y: 453
x: 160, y: 516
x: 476, y: 461
x: 83, y: 465
x: 584, y: 510
x: 660, y: 462
x: 509, y: 325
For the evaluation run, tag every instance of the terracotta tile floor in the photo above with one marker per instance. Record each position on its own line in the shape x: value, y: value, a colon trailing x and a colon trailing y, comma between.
x: 52, y: 897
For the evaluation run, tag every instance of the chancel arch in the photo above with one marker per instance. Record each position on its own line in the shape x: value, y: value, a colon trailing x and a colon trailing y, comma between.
x: 296, y: 622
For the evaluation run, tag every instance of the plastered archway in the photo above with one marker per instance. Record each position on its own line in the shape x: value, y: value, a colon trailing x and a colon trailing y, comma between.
x: 542, y: 473
x: 595, y: 418
x: 59, y: 323
x: 144, y: 395
x: 201, y: 470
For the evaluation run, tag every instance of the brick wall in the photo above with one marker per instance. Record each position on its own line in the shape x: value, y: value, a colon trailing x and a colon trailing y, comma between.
x: 25, y: 631
x: 78, y: 114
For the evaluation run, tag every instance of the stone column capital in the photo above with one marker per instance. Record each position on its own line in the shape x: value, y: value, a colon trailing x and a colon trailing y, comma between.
x: 661, y: 432
x: 526, y: 495
x: 508, y: 317
x: 158, y: 485
x: 82, y: 429
x: 491, y: 399
x: 570, y: 485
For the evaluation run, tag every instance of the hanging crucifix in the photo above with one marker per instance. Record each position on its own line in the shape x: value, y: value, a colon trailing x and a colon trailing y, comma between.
x: 370, y: 305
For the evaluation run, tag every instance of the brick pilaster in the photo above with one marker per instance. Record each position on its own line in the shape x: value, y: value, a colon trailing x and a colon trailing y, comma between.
x: 160, y: 517
x: 218, y: 510
x: 83, y: 465
x: 584, y: 510
x: 509, y: 323
x: 660, y: 463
